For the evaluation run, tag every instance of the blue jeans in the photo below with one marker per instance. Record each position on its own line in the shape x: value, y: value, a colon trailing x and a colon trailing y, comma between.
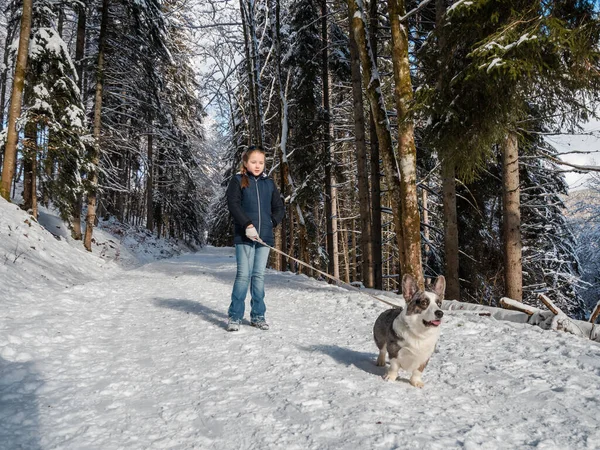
x: 251, y: 264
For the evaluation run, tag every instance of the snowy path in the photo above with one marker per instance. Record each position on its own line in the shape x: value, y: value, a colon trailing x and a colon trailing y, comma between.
x: 143, y: 361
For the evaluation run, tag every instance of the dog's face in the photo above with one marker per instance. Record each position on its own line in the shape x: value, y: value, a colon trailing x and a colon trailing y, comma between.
x: 423, y: 308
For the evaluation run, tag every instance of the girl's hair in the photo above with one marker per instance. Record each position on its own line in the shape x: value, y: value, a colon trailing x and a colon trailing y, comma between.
x: 245, y: 158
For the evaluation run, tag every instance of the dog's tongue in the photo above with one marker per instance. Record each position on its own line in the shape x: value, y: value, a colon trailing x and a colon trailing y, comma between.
x: 436, y: 322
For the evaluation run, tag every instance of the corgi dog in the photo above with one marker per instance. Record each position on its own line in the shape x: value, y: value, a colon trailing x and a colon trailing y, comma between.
x: 409, y: 335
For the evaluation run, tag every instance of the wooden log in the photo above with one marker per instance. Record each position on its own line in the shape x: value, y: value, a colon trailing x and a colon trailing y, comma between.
x: 539, y: 317
x: 551, y: 306
x: 595, y: 314
x: 485, y: 310
x: 509, y: 303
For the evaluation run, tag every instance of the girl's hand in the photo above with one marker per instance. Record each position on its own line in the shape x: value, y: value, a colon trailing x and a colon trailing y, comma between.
x: 251, y: 233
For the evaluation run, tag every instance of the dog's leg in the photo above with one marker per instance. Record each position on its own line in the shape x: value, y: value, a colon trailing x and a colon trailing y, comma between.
x: 381, y: 357
x: 415, y: 378
x: 392, y: 372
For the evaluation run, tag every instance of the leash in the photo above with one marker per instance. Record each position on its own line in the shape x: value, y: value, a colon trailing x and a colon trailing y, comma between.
x: 260, y: 241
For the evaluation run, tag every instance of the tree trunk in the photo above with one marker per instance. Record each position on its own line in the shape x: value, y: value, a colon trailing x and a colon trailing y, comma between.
x: 513, y: 269
x: 29, y: 167
x: 3, y: 83
x: 249, y: 73
x: 287, y: 183
x: 426, y: 234
x: 330, y: 190
x: 79, y: 55
x: 373, y: 86
x: 95, y: 156
x: 450, y: 231
x: 366, y: 240
x: 376, y: 227
x: 451, y: 260
x: 10, y: 151
x: 253, y: 72
x: 355, y: 251
x: 150, y: 184
x: 403, y: 92
x: 254, y: 54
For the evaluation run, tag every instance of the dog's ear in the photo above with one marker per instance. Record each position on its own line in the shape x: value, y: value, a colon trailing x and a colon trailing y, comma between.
x: 440, y: 287
x: 409, y: 287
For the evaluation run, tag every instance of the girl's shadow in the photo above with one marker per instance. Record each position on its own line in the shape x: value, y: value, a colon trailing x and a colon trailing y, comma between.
x: 213, y: 316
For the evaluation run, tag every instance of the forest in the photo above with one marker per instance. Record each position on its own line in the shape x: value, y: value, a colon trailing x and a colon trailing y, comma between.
x: 405, y: 136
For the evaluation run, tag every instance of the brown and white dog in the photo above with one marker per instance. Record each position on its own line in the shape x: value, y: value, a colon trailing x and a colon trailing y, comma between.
x: 409, y: 335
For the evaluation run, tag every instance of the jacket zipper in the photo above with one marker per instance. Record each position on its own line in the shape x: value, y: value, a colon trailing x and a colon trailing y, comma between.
x: 258, y: 197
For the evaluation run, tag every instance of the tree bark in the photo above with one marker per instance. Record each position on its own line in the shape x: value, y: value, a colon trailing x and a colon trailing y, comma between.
x: 513, y: 269
x: 372, y: 84
x: 595, y: 313
x: 79, y: 55
x: 95, y: 156
x: 255, y: 55
x: 253, y: 71
x: 3, y: 83
x: 407, y: 152
x: 29, y: 168
x: 450, y: 231
x: 451, y: 260
x: 10, y: 151
x: 249, y: 73
x: 376, y: 228
x: 366, y: 240
x: 330, y: 190
x: 150, y: 184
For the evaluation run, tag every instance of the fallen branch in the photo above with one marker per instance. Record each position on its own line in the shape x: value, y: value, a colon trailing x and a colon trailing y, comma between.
x: 595, y: 314
x: 491, y: 311
x: 514, y: 311
x: 509, y: 303
x: 551, y: 306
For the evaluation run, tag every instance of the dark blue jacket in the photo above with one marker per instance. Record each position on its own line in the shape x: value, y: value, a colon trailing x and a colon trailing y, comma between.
x: 259, y: 204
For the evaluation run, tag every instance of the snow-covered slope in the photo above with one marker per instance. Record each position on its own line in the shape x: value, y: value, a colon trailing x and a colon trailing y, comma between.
x: 41, y: 254
x: 140, y: 359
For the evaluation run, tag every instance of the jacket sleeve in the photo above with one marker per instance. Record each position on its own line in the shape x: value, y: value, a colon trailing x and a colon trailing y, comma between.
x: 277, y: 207
x: 234, y: 202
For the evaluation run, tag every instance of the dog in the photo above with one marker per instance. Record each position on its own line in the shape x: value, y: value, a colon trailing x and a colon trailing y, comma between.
x: 409, y: 335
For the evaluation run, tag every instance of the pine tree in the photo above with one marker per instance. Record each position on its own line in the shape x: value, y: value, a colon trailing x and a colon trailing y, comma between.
x: 507, y: 56
x: 54, y: 110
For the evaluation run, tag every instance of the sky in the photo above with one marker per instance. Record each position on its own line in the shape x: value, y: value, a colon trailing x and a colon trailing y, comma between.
x: 126, y: 348
x: 588, y: 141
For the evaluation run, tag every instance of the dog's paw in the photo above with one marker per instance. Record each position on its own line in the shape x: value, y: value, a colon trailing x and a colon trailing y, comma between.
x: 380, y: 362
x: 390, y: 376
x: 417, y: 382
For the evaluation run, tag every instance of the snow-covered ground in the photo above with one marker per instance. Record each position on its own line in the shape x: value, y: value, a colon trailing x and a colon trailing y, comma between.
x: 97, y: 356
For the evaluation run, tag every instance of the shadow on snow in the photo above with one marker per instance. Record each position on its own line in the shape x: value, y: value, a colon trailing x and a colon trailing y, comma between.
x: 361, y: 360
x: 19, y: 409
x: 218, y: 318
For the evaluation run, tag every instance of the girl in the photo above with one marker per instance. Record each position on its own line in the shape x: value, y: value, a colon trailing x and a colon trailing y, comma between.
x: 256, y: 207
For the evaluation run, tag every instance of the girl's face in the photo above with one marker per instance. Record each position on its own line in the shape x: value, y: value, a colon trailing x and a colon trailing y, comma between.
x: 255, y: 164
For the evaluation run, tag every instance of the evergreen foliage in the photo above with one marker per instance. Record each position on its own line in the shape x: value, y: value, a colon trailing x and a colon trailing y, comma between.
x: 53, y: 108
x: 500, y: 57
